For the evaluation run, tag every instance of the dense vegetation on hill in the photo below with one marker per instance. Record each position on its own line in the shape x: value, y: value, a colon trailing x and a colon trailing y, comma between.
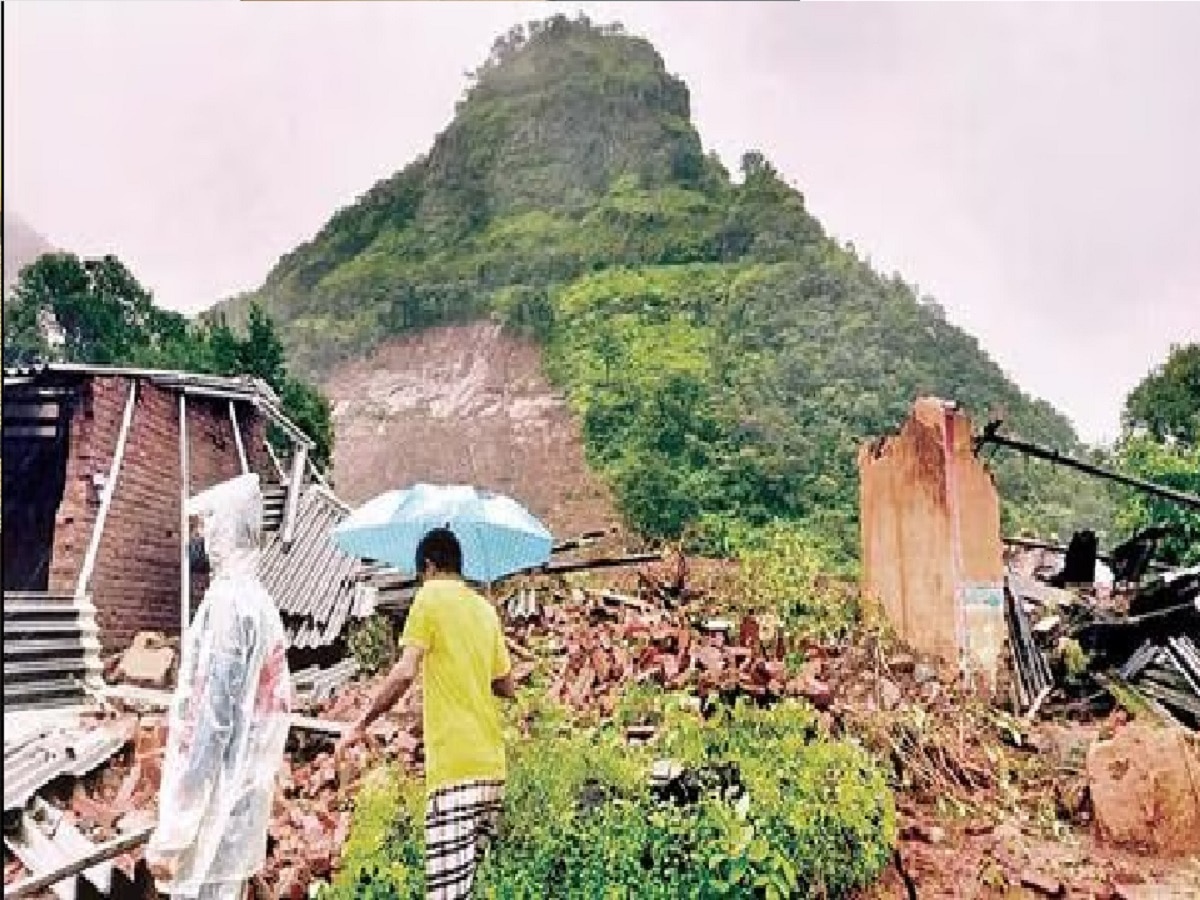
x: 725, y: 354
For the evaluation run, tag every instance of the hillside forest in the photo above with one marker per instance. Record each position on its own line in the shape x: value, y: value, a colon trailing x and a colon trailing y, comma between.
x: 725, y: 356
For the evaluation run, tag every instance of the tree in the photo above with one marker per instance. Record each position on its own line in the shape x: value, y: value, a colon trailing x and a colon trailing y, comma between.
x: 262, y: 353
x: 1167, y: 401
x: 107, y: 318
x: 1171, y: 465
x: 1162, y: 425
x: 310, y: 410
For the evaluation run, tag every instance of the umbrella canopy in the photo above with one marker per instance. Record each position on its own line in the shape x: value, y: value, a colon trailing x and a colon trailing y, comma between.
x: 498, y: 536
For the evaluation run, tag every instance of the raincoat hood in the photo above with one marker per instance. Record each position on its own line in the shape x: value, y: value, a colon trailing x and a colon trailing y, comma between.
x: 229, y: 716
x: 230, y: 514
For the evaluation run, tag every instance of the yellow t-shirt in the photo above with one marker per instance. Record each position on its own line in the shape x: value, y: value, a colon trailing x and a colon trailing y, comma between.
x: 464, y: 648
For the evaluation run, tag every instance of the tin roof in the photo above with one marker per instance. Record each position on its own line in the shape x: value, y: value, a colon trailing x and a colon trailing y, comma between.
x: 241, y: 387
x: 313, y: 582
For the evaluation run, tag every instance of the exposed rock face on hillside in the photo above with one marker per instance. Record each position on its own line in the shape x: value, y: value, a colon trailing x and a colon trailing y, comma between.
x: 464, y: 404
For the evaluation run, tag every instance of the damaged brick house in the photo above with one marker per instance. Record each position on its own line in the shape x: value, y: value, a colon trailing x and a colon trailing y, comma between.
x: 97, y: 463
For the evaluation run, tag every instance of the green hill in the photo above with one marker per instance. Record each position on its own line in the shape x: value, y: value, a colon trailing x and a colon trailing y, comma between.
x: 726, y: 356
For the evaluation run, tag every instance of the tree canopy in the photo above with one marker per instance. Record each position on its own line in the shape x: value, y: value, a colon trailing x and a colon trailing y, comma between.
x: 1161, y: 444
x: 94, y: 311
x: 1167, y: 401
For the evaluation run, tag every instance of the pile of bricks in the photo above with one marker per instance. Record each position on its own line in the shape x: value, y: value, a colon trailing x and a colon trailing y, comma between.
x: 599, y: 648
x: 311, y: 811
x: 310, y: 817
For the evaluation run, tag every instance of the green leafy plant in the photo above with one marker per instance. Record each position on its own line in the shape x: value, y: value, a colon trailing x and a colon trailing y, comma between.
x: 787, y: 570
x: 817, y: 817
x: 372, y: 643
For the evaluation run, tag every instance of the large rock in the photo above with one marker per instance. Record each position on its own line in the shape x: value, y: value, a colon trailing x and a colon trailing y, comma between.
x: 148, y: 662
x: 1145, y: 787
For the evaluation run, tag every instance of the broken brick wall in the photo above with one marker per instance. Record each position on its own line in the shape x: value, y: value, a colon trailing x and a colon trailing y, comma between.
x: 931, y: 549
x: 135, y: 582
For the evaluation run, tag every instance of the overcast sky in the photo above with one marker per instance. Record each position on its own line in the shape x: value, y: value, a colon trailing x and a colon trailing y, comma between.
x: 1035, y: 167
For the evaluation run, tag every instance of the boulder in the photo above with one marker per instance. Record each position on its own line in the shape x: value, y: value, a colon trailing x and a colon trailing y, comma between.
x: 1145, y: 790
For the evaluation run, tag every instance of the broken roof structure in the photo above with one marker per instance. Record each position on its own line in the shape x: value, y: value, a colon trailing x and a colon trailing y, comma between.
x: 98, y: 462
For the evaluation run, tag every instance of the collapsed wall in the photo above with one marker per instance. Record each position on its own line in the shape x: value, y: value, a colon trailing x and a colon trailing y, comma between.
x: 931, y: 548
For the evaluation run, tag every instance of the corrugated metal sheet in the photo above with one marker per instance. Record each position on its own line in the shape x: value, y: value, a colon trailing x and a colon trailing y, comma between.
x: 46, y: 839
x: 312, y: 581
x: 253, y: 390
x: 51, y: 650
x: 34, y: 759
x: 245, y: 385
x: 315, y: 684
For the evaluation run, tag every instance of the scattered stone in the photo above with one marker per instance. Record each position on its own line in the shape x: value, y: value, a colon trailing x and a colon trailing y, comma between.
x: 889, y: 694
x: 919, y: 831
x: 1043, y: 884
x: 818, y: 693
x: 924, y: 673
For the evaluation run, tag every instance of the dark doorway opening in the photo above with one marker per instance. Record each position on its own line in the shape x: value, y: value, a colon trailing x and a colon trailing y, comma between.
x: 36, y: 441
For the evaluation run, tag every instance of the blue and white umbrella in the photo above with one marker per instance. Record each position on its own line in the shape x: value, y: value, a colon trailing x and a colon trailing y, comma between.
x: 498, y: 536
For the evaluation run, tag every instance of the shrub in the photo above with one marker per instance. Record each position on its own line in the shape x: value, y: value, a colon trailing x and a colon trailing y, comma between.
x: 383, y: 857
x: 786, y: 569
x: 817, y: 818
x: 372, y: 642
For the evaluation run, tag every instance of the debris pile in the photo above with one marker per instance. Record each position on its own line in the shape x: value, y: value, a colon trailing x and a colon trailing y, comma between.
x: 77, y: 784
x: 593, y: 650
x: 599, y: 643
x: 1080, y: 648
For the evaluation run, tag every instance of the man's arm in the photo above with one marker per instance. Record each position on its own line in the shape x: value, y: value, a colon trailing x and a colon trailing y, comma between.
x: 502, y: 680
x: 397, y: 682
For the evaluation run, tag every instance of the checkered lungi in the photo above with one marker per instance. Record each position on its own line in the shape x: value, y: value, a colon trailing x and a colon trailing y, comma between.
x: 460, y: 821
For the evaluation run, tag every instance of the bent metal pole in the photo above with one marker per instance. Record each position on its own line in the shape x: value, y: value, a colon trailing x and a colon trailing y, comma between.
x: 1051, y: 455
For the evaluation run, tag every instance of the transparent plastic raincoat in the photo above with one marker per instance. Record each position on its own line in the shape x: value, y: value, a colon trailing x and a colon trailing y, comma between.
x: 228, y: 720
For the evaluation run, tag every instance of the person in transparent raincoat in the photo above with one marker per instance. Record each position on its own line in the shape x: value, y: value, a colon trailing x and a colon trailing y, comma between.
x: 228, y: 719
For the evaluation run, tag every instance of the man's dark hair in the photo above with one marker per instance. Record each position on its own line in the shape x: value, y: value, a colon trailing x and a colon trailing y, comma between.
x: 441, y: 548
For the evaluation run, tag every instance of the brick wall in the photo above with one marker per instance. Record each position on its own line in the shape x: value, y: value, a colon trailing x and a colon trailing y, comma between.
x: 135, y: 583
x: 930, y: 520
x: 95, y: 425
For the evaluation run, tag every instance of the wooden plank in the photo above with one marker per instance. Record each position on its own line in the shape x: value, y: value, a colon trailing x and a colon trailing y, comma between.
x: 108, y: 850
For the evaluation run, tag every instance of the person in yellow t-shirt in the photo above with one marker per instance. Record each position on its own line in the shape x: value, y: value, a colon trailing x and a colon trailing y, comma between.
x: 455, y: 636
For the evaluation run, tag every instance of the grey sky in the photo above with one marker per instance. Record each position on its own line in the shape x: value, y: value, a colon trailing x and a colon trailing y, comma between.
x: 1032, y: 166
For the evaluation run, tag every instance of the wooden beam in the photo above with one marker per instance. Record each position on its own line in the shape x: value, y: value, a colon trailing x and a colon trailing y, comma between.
x: 275, y: 461
x: 237, y: 436
x: 185, y: 490
x: 110, y: 489
x: 295, y: 486
x: 38, y: 883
